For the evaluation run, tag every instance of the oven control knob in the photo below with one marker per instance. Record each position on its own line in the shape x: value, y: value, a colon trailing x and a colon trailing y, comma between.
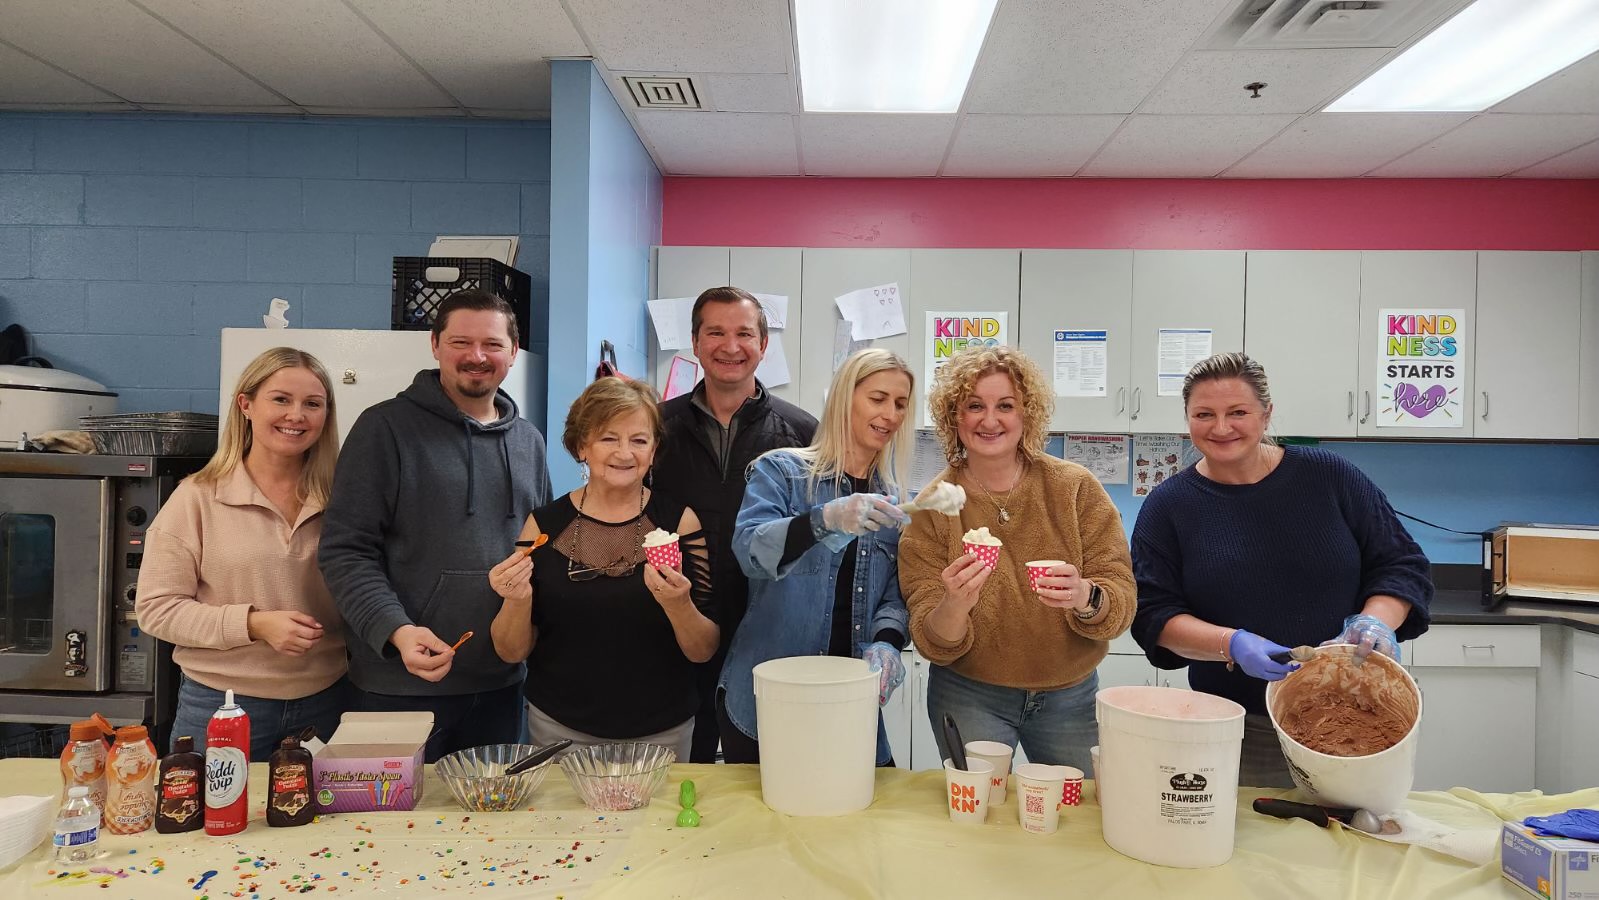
x: 137, y: 516
x: 131, y: 594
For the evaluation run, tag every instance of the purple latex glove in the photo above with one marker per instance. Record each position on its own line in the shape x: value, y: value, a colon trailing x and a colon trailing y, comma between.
x: 885, y: 660
x: 1368, y: 633
x: 1253, y: 654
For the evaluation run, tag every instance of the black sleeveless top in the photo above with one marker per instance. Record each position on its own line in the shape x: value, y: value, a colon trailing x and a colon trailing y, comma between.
x: 606, y: 661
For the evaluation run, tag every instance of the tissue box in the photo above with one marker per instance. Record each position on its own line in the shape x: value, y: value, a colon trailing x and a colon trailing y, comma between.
x: 1553, y: 867
x: 373, y: 762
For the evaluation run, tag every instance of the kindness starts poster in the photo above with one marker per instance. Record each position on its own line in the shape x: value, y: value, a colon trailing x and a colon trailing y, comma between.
x: 948, y: 333
x: 1421, y: 368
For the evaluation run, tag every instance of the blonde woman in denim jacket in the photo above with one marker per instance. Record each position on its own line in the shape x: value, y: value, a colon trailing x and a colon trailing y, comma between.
x: 818, y: 536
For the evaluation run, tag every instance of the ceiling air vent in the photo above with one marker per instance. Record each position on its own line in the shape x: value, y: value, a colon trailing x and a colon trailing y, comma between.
x: 663, y: 91
x: 1327, y: 24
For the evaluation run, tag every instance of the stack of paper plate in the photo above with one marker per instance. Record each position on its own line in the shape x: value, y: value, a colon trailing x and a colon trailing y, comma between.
x: 25, y: 823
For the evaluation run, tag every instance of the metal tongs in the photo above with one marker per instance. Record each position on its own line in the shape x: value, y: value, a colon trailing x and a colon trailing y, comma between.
x: 538, y: 757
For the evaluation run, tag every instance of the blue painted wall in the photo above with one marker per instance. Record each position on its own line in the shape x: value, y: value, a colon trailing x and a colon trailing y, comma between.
x: 128, y: 242
x: 606, y: 193
x: 1468, y: 487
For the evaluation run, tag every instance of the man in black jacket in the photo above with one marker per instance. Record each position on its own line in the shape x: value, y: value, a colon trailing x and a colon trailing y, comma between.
x: 712, y: 435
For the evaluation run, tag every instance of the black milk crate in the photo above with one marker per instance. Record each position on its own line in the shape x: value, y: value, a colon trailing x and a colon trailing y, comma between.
x: 416, y: 299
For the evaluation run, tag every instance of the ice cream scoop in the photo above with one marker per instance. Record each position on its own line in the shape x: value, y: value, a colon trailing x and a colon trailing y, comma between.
x: 943, y: 498
x: 981, y: 536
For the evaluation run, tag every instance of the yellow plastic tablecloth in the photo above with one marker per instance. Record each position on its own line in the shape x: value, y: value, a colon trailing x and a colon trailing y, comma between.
x: 903, y: 846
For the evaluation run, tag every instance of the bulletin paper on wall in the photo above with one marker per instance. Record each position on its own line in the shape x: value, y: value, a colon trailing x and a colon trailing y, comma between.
x: 949, y: 333
x: 1105, y: 455
x: 927, y: 460
x: 1157, y: 457
x: 1080, y: 364
x: 681, y: 377
x: 873, y: 312
x: 1179, y: 351
x: 1421, y: 371
x: 843, y: 345
x: 773, y: 370
x: 672, y: 318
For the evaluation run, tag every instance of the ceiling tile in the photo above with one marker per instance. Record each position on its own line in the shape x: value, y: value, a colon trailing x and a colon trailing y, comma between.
x: 1343, y: 145
x: 313, y: 52
x: 867, y: 145
x: 1574, y: 89
x: 419, y: 112
x: 1026, y: 146
x: 111, y: 106
x: 742, y: 36
x: 489, y: 54
x: 524, y: 114
x: 1297, y: 81
x: 1582, y: 162
x: 1494, y: 144
x: 1181, y: 146
x: 715, y: 143
x: 1082, y: 56
x: 751, y: 93
x: 116, y: 46
x: 24, y: 79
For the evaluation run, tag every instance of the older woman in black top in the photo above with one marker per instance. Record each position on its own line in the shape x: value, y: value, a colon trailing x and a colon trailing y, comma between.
x: 610, y: 640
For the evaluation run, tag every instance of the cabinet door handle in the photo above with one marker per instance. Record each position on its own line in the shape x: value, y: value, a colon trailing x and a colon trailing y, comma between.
x: 1121, y: 400
x: 1469, y: 647
x: 1485, y: 406
x: 1138, y: 401
x: 1351, y: 405
x: 1365, y: 412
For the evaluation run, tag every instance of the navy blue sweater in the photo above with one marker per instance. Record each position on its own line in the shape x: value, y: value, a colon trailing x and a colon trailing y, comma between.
x: 1287, y: 558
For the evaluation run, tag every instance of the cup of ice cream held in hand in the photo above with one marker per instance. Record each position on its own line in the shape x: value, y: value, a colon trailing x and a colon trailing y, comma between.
x: 1039, y: 568
x: 662, y: 551
x: 979, y: 543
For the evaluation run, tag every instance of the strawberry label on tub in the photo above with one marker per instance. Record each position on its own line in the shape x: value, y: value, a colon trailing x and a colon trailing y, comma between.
x: 1187, y: 798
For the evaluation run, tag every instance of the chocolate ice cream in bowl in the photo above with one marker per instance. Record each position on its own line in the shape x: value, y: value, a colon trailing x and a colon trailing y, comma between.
x: 1349, y: 731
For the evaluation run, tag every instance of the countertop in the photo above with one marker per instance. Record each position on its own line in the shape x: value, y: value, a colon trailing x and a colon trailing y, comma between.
x: 1458, y: 607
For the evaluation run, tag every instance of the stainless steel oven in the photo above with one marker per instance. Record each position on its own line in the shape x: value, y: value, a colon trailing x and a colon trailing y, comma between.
x: 71, y: 539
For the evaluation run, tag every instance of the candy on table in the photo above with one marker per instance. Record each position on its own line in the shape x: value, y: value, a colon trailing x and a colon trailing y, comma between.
x: 688, y: 817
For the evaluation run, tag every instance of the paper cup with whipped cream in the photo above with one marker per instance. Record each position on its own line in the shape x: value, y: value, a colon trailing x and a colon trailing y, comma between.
x: 662, y: 550
x: 983, y: 545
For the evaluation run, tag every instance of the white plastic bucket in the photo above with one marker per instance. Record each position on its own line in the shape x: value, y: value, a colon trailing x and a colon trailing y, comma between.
x: 1378, y: 782
x: 1170, y: 758
x: 817, y: 721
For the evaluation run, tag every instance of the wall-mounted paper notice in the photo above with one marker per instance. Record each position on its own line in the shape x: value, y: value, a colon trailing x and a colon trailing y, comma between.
x: 773, y: 370
x: 843, y: 347
x: 1180, y: 350
x: 873, y: 312
x: 776, y: 308
x: 1080, y: 361
x: 1105, y: 455
x: 1157, y: 457
x: 674, y: 325
x: 682, y: 377
x: 927, y: 459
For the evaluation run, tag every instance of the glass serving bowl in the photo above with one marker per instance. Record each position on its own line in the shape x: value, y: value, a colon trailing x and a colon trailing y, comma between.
x: 477, y: 777
x: 618, y: 776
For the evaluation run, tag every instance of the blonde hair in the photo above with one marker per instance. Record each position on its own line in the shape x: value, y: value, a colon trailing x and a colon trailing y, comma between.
x: 829, y: 450
x: 1222, y: 366
x: 957, y: 380
x: 316, y: 477
x: 601, y: 403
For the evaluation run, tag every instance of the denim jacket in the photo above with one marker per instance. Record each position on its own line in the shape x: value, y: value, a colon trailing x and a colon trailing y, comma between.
x: 791, y: 606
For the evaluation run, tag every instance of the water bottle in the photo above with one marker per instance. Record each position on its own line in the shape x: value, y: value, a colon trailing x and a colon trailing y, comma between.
x: 77, y: 827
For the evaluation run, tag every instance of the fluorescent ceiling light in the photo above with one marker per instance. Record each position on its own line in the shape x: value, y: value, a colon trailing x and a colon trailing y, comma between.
x: 1490, y: 50
x: 890, y: 56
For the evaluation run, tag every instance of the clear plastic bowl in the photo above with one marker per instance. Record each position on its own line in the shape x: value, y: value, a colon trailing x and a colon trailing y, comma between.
x: 477, y: 777
x: 618, y: 776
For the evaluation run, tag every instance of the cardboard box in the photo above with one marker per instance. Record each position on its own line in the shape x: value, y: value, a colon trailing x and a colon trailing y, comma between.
x: 1553, y: 867
x: 373, y: 762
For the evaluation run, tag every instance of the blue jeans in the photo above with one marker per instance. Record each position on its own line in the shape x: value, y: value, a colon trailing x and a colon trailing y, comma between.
x: 270, y: 720
x: 460, y: 721
x: 1054, y: 727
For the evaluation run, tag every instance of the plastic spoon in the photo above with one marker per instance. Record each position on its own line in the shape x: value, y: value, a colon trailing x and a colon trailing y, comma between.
x: 952, y: 737
x: 537, y: 757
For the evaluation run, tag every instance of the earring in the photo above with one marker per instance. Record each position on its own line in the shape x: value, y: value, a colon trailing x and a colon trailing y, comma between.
x: 583, y: 470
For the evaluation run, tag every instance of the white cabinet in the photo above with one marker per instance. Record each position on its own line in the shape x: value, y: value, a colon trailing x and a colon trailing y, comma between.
x: 1081, y: 290
x: 1582, y: 714
x: 924, y: 749
x: 1479, y: 686
x: 1529, y: 311
x: 1414, y: 279
x: 1180, y: 289
x: 1301, y: 322
x: 898, y: 719
x: 1589, y: 362
x: 826, y: 274
x: 1126, y: 664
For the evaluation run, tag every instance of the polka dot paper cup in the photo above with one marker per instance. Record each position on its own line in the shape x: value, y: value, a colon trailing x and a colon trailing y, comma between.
x: 988, y: 553
x: 1038, y: 568
x: 1072, y: 792
x: 665, y: 556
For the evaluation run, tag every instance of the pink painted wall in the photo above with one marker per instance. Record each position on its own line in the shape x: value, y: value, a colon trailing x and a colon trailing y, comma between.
x: 1364, y: 214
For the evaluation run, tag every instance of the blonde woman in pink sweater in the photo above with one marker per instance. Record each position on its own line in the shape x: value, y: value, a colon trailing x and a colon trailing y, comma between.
x: 229, y: 576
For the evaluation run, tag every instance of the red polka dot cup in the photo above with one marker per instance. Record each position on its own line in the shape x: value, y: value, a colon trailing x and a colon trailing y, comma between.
x: 665, y: 556
x: 988, y: 554
x: 1072, y: 792
x: 1038, y: 568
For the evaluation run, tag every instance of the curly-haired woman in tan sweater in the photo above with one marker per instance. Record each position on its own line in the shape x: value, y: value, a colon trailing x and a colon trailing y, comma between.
x: 1010, y: 664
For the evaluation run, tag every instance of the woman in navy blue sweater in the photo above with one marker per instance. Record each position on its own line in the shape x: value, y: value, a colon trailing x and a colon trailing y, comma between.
x: 1258, y: 548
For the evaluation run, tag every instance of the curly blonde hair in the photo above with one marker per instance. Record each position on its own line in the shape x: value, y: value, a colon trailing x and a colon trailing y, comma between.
x: 958, y: 378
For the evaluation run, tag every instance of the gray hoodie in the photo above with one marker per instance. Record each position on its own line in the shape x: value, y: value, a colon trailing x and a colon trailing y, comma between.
x: 425, y: 501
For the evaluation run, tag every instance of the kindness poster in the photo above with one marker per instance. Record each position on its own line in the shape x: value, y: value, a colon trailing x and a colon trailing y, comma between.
x: 1421, y: 368
x: 948, y: 333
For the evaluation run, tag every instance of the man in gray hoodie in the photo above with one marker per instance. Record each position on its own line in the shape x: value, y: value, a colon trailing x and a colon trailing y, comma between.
x: 431, y: 490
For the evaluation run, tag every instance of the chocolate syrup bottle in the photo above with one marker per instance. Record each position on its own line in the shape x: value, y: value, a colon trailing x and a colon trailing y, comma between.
x: 180, y: 789
x: 289, y: 785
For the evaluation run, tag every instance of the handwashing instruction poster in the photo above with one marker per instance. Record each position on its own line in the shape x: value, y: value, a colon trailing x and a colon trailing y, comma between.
x: 948, y: 333
x: 1157, y: 457
x: 1421, y: 368
x: 1105, y: 455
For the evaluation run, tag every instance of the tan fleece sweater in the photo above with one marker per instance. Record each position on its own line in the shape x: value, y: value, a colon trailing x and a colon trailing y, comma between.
x: 213, y: 553
x: 1059, y: 511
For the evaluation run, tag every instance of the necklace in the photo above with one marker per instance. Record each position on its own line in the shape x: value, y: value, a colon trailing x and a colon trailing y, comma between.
x: 619, y: 569
x: 1004, y: 514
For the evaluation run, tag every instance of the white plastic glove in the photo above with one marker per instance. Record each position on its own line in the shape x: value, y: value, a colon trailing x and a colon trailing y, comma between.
x: 842, y: 519
x: 885, y: 660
